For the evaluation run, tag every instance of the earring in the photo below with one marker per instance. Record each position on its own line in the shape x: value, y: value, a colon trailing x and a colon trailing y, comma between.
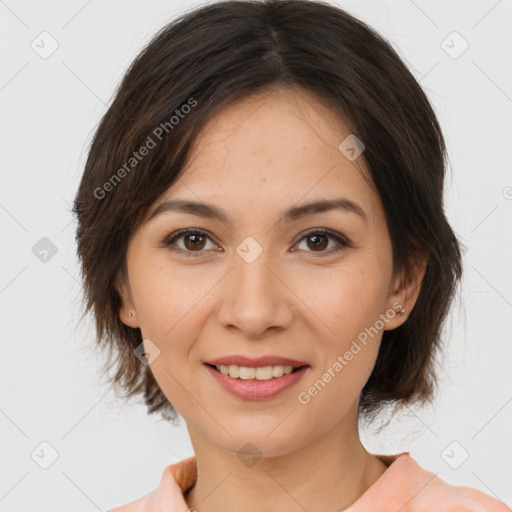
x: 402, y: 311
x: 130, y: 314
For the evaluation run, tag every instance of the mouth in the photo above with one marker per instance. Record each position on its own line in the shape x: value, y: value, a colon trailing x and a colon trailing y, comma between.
x: 256, y: 383
x: 261, y: 373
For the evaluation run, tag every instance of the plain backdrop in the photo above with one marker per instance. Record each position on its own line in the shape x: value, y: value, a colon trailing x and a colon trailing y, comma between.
x: 54, y: 412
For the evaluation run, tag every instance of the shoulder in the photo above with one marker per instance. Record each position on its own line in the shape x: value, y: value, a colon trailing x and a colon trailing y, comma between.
x: 411, y: 488
x: 451, y: 498
x: 168, y: 496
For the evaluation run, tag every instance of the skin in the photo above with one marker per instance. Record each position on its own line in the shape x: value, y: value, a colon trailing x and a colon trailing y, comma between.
x: 256, y: 158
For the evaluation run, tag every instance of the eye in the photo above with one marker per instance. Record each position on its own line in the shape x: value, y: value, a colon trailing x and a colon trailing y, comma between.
x: 319, y: 239
x: 195, y: 240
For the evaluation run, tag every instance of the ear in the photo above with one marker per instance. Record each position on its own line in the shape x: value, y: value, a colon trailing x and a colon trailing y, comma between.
x: 404, y: 293
x: 127, y: 306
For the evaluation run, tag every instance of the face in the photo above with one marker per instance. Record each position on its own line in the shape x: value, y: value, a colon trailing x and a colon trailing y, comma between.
x: 258, y: 282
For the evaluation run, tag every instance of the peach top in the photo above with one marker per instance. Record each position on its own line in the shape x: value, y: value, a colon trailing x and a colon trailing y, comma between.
x: 404, y: 486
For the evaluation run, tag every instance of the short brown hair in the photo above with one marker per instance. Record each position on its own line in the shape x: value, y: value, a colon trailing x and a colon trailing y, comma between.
x: 215, y: 55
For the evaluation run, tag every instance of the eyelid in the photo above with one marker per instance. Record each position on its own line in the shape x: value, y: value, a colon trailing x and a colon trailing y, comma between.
x: 324, y: 231
x: 338, y: 237
x: 176, y: 235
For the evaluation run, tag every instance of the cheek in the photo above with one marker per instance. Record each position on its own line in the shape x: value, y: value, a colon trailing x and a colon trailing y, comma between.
x: 345, y: 300
x: 173, y: 305
x: 169, y: 300
x: 347, y: 350
x: 347, y: 305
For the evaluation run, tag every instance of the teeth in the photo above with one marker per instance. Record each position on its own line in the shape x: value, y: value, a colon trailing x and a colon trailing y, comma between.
x: 259, y: 373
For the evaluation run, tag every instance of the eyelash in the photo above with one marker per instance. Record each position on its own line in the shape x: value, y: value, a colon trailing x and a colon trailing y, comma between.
x: 343, y: 243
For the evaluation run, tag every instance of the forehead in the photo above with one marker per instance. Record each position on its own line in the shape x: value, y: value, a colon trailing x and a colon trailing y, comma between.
x: 291, y: 125
x: 278, y: 147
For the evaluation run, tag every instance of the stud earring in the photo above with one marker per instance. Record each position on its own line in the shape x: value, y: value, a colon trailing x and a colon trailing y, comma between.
x: 402, y: 311
x: 130, y: 314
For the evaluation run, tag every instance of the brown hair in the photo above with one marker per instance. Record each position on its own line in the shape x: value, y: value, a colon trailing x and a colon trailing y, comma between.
x: 216, y: 55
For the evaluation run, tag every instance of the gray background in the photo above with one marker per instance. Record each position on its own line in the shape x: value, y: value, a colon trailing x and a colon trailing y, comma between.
x: 109, y: 452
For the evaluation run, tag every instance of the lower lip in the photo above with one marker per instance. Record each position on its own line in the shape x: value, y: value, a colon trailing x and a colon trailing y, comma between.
x: 257, y: 389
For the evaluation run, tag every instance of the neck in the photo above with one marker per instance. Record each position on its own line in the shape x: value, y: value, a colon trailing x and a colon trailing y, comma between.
x: 328, y: 474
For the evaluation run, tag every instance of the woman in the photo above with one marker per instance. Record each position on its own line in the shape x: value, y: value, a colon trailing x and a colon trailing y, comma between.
x: 265, y: 252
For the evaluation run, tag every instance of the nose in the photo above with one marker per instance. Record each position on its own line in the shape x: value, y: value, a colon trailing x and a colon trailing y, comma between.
x: 255, y: 299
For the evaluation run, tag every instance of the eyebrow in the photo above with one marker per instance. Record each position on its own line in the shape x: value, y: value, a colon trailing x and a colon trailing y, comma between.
x: 295, y: 212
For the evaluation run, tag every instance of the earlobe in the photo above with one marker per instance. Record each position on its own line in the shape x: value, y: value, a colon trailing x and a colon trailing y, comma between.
x: 405, y: 293
x: 126, y: 310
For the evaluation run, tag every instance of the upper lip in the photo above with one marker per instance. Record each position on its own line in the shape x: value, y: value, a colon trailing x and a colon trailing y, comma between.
x: 254, y: 362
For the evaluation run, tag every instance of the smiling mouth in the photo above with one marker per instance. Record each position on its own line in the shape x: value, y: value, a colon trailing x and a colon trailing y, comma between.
x: 269, y: 376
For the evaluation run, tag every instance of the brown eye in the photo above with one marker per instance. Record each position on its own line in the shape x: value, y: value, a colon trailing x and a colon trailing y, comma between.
x: 194, y: 240
x: 317, y: 241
